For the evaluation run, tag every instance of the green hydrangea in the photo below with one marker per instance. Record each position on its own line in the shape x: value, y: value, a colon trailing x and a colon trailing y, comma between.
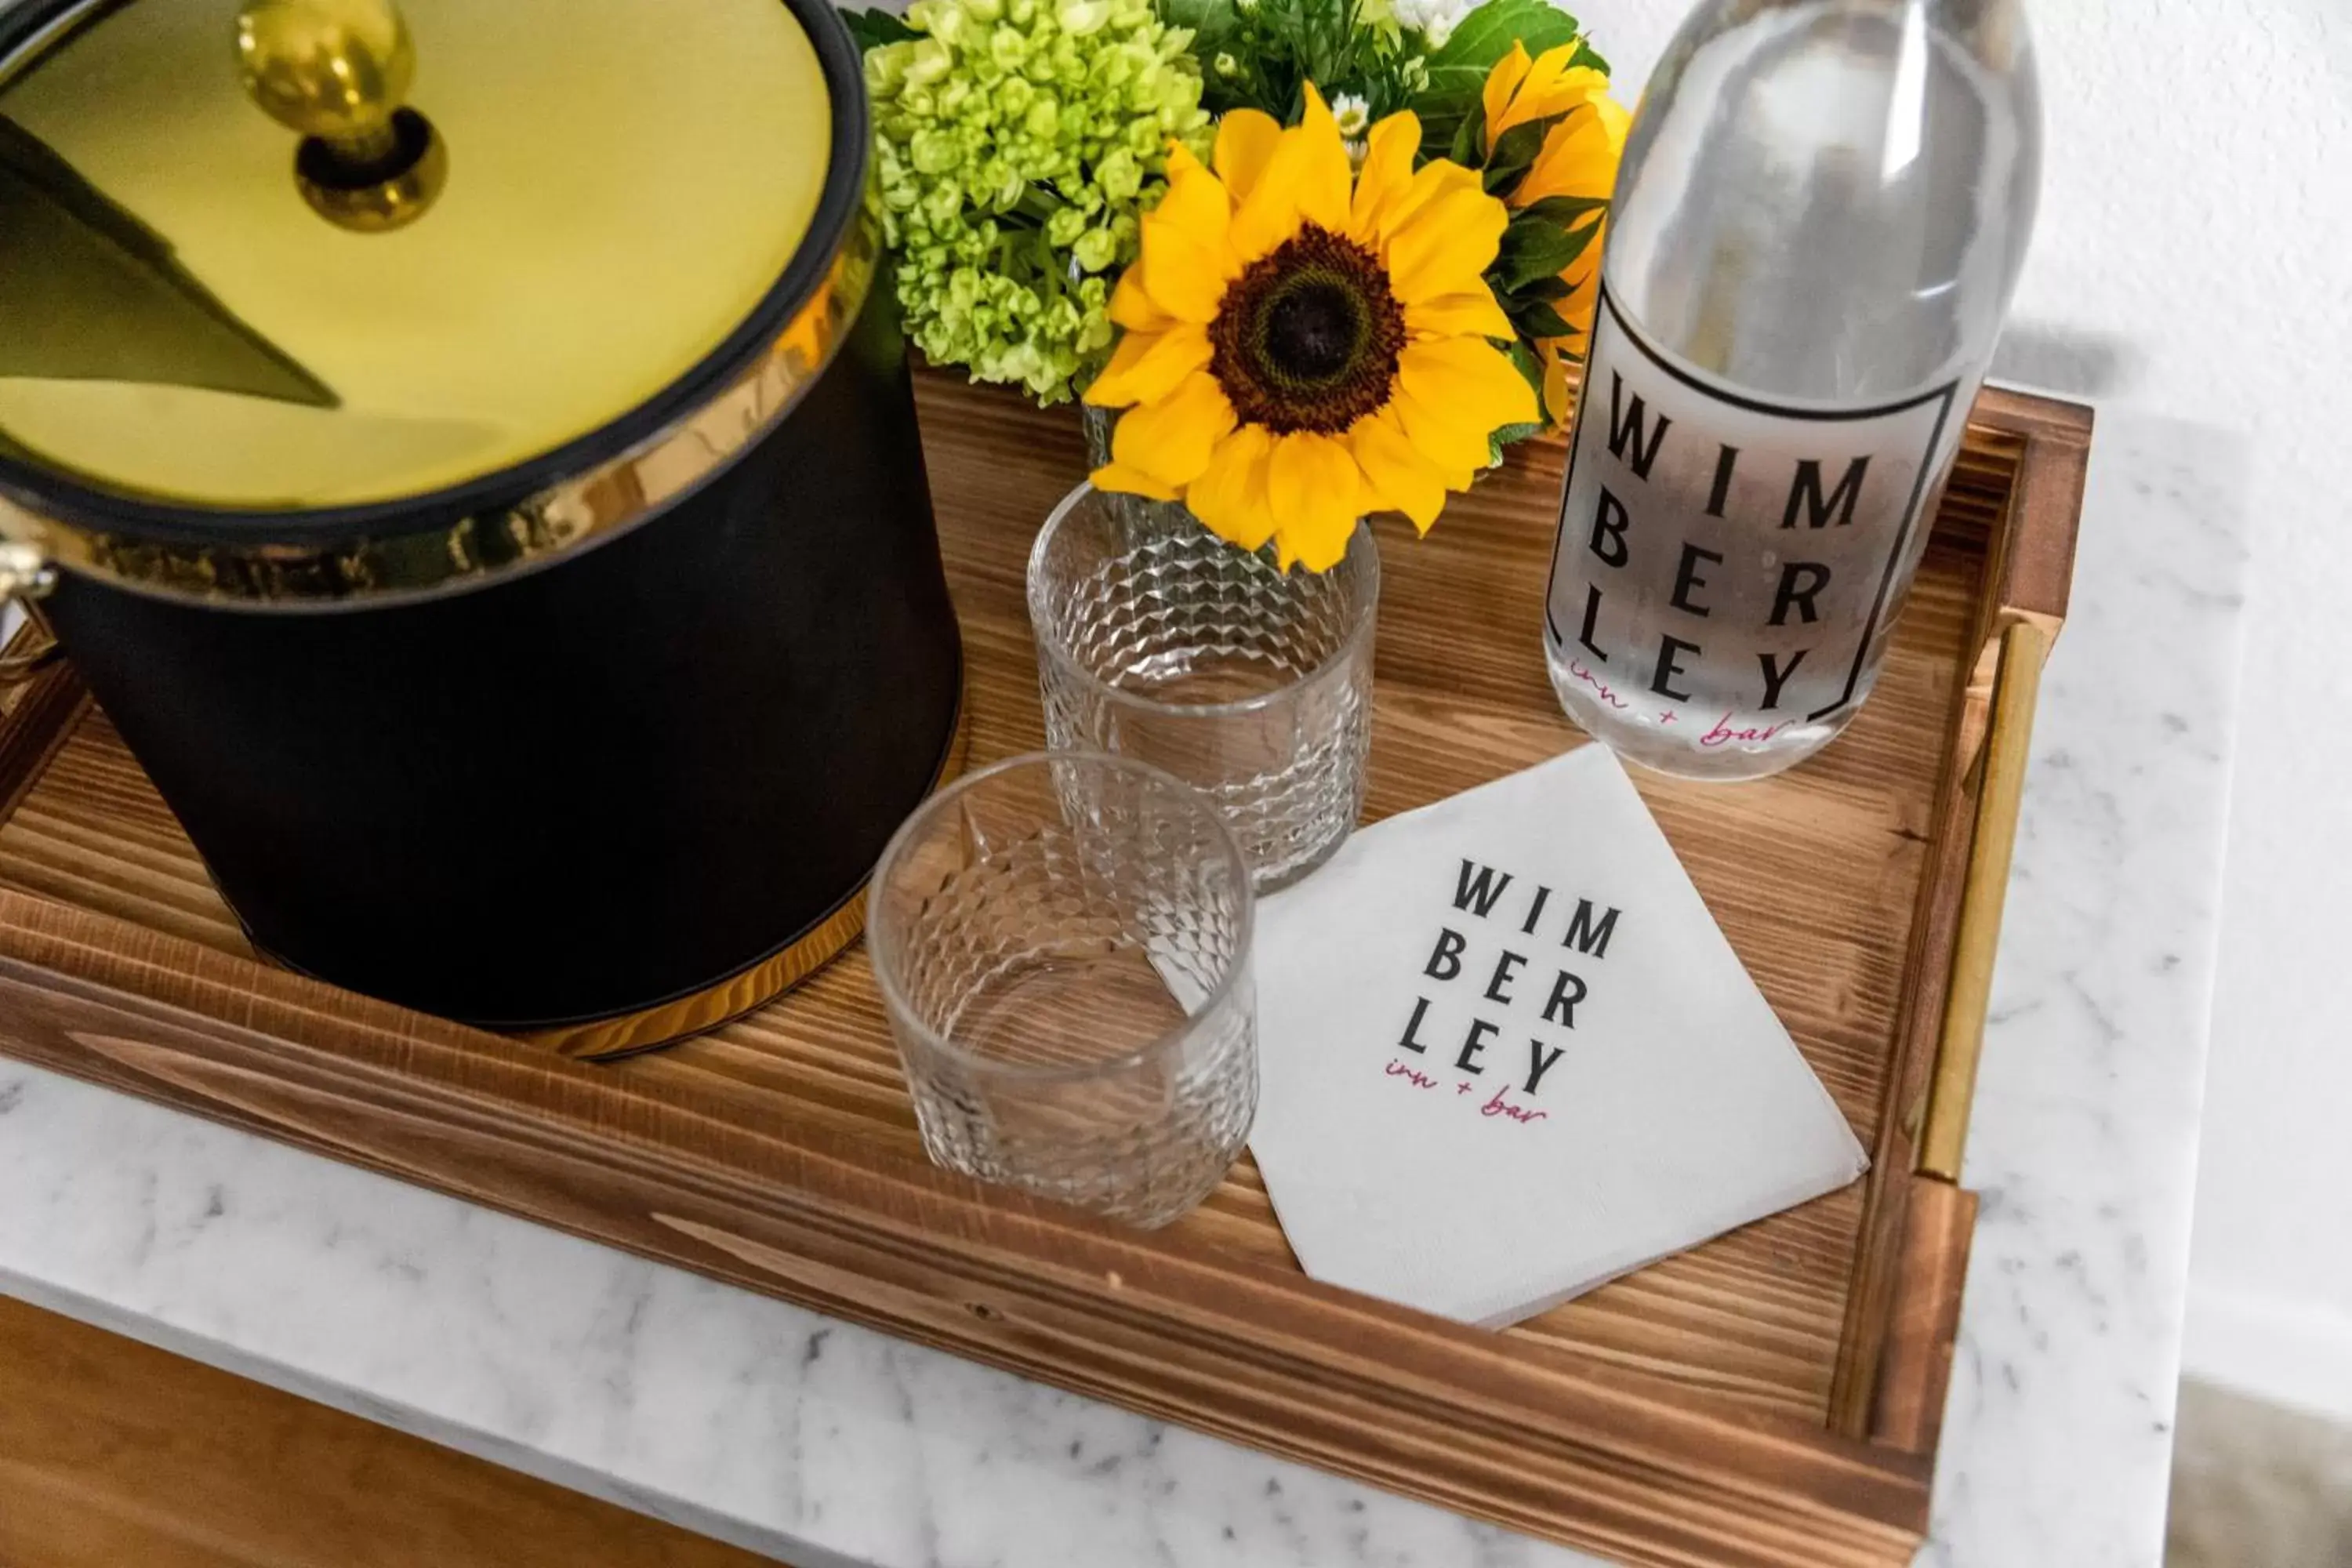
x: 1017, y: 142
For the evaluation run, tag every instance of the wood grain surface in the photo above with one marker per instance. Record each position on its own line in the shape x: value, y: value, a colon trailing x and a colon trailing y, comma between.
x: 114, y: 1454
x: 1679, y: 1415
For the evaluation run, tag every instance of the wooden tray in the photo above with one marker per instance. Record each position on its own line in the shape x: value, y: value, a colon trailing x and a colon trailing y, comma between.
x: 1771, y: 1397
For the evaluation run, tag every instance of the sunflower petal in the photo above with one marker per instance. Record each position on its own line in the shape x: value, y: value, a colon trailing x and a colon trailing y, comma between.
x: 1186, y: 277
x: 1538, y: 94
x: 1130, y: 481
x: 1555, y: 387
x: 1433, y: 180
x: 1455, y: 441
x: 1323, y: 196
x: 1579, y: 156
x: 1583, y: 276
x: 1446, y: 247
x: 1386, y: 173
x: 1170, y: 440
x: 1469, y: 377
x: 1107, y: 389
x: 1616, y: 120
x: 1316, y: 492
x: 1502, y: 86
x: 1305, y: 180
x: 1320, y: 551
x: 1454, y: 315
x: 1398, y: 473
x: 1147, y: 366
x: 1580, y: 84
x: 1550, y: 86
x: 1245, y: 139
x: 1230, y: 496
x: 1132, y: 305
x: 1195, y: 203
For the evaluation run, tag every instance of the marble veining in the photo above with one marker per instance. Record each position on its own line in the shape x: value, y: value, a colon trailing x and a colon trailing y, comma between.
x: 831, y: 1446
x: 2058, y: 1435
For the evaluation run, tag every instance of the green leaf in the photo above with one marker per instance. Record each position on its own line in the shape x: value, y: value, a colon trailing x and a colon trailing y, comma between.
x: 1536, y: 319
x: 1545, y: 289
x: 1457, y: 72
x: 1212, y: 22
x: 1534, y: 250
x: 1515, y: 152
x: 1198, y: 15
x: 1468, y: 138
x: 1530, y: 369
x: 1510, y: 436
x: 1562, y: 211
x: 1487, y: 32
x: 877, y: 26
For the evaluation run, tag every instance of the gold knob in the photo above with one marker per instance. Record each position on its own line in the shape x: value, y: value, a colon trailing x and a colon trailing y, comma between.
x: 335, y: 70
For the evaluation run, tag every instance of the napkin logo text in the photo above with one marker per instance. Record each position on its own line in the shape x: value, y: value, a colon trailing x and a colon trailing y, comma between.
x: 1499, y: 973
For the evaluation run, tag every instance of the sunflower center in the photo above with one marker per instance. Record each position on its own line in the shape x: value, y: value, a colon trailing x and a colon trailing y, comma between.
x: 1315, y: 329
x: 1308, y: 338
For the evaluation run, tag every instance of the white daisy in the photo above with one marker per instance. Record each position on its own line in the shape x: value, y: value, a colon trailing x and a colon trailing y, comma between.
x: 1435, y: 20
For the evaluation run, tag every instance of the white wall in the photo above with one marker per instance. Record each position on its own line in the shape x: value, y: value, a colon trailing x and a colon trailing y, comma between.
x: 2194, y: 258
x: 2198, y: 212
x: 2271, y: 1268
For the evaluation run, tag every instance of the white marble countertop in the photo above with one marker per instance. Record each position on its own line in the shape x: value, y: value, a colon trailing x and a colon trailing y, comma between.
x: 827, y: 1443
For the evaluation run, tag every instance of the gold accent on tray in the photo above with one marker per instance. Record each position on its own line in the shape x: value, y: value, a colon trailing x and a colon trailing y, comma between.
x: 2009, y: 744
x: 260, y: 572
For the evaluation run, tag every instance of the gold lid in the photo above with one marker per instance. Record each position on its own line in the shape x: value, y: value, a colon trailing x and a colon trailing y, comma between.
x: 316, y: 254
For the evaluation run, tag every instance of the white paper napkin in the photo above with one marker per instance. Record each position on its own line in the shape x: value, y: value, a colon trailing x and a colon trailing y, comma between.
x: 1506, y: 1054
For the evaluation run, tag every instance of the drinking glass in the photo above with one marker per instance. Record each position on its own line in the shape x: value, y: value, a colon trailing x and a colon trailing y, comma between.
x: 1063, y: 943
x: 1157, y: 640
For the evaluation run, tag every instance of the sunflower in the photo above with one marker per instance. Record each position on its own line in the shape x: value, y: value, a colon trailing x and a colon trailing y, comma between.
x: 1303, y: 345
x: 1577, y: 161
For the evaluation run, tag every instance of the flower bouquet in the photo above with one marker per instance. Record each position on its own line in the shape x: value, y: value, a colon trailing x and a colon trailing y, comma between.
x: 1326, y: 257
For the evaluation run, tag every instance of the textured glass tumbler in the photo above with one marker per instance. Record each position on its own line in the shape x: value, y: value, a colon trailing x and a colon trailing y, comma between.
x: 1157, y: 640
x: 1063, y: 942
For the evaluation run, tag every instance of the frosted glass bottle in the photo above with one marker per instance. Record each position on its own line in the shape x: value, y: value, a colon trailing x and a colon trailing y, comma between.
x: 1820, y: 215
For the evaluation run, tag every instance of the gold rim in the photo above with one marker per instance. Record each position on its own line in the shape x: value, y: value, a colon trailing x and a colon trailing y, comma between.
x: 600, y: 502
x: 2008, y: 746
x: 685, y: 1017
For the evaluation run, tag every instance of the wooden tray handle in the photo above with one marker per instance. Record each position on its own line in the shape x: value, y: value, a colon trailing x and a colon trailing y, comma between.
x: 2024, y: 645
